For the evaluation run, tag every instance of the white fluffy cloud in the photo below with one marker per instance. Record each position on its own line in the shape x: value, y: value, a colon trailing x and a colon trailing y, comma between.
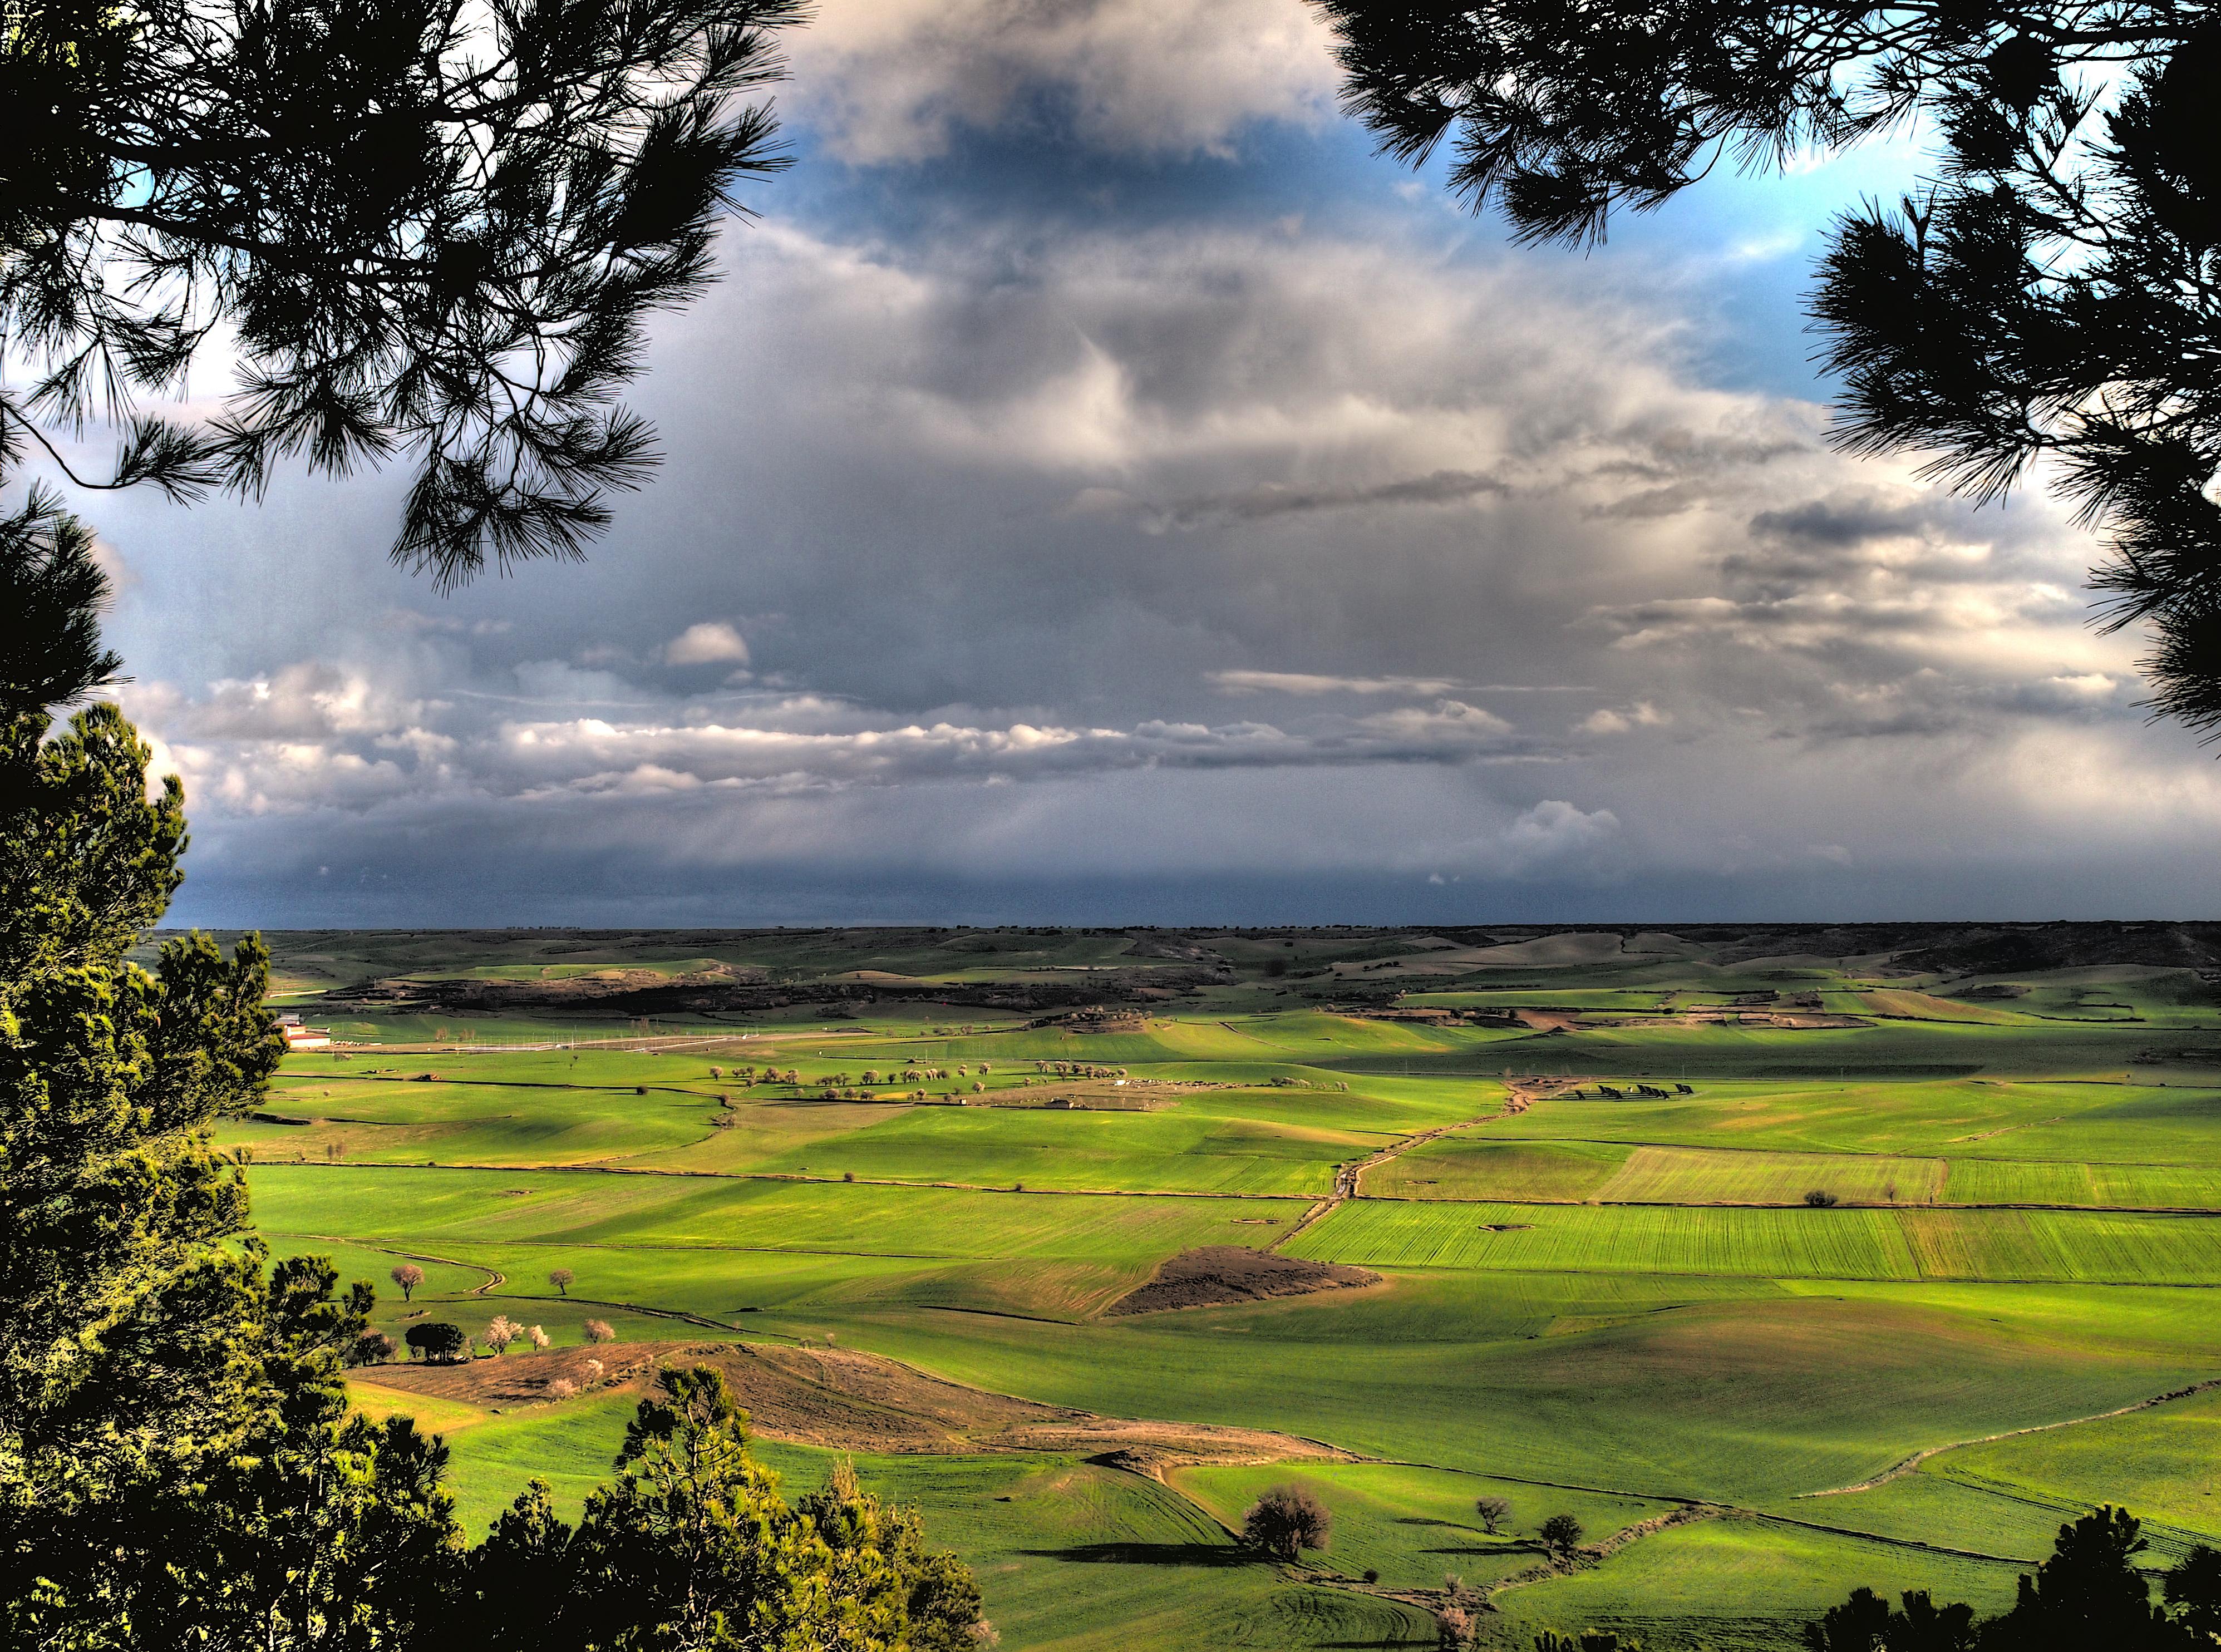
x: 706, y: 642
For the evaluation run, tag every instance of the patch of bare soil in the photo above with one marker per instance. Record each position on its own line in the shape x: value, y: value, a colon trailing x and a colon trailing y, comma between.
x: 854, y: 1401
x: 1215, y: 1275
x: 519, y: 1378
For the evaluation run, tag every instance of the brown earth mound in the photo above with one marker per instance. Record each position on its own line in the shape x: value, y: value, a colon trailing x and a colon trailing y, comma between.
x: 851, y: 1401
x: 1215, y: 1274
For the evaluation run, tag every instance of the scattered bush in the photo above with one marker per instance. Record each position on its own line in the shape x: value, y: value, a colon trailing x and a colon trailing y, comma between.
x: 1561, y: 1534
x: 1286, y: 1521
x: 1819, y: 1199
x: 536, y: 1336
x: 371, y: 1348
x: 436, y: 1341
x: 561, y: 1388
x: 561, y: 1278
x: 407, y: 1276
x: 501, y: 1332
x: 598, y: 1330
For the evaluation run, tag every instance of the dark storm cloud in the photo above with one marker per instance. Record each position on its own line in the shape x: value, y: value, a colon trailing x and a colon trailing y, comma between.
x: 1259, y: 504
x: 892, y: 634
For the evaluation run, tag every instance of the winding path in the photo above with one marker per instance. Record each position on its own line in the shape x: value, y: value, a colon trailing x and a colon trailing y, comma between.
x: 1898, y: 1471
x: 1524, y: 1092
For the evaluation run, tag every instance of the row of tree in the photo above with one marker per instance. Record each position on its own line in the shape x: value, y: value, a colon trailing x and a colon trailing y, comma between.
x: 2090, y: 1596
x: 2091, y: 1593
x: 179, y: 1466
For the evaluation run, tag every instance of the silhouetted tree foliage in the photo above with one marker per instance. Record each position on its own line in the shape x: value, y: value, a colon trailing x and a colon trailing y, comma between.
x: 424, y: 229
x: 172, y: 1425
x: 1561, y: 1534
x: 2050, y: 292
x: 1865, y: 1622
x: 437, y: 1341
x: 692, y: 1546
x: 2089, y: 1593
x: 1286, y: 1520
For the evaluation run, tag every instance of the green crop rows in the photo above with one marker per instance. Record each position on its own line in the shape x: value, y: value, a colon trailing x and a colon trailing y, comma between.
x: 1591, y: 1300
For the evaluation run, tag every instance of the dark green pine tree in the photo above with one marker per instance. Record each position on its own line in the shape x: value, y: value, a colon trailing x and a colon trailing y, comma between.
x: 175, y: 1456
x: 423, y: 230
x: 2051, y: 294
x: 692, y: 1547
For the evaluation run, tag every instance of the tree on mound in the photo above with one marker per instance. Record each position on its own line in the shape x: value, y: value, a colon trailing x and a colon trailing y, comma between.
x: 1561, y: 1534
x: 1287, y: 1520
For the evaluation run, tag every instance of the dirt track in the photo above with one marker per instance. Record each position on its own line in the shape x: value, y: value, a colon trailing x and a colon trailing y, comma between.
x: 855, y: 1401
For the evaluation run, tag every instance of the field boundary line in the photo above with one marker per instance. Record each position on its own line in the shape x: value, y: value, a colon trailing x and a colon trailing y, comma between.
x: 776, y: 1175
x: 1898, y: 1471
x: 1880, y: 1537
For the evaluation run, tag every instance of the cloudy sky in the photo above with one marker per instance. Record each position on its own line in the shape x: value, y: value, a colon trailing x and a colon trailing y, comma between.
x: 1100, y: 491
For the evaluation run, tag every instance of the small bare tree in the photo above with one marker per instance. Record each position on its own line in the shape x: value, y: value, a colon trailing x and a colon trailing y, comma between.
x: 407, y: 1276
x: 1286, y: 1521
x: 1493, y: 1511
x: 502, y: 1332
x: 598, y: 1330
x: 592, y: 1369
x: 560, y: 1278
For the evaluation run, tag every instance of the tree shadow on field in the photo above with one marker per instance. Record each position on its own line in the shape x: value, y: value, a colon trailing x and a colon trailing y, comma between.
x: 1199, y: 1554
x: 1471, y: 1544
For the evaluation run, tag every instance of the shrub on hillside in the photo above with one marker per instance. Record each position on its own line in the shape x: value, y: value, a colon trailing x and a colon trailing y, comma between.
x: 1819, y: 1199
x: 436, y: 1341
x: 1286, y: 1521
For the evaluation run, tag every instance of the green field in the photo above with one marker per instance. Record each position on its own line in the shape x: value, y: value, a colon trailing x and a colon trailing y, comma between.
x: 1591, y: 1299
